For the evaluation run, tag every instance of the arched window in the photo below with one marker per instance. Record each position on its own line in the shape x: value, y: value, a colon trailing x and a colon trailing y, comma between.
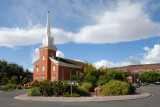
x: 43, y: 57
x: 37, y: 78
x: 42, y: 77
x: 53, y: 68
x: 37, y: 69
x: 42, y: 67
x: 53, y: 78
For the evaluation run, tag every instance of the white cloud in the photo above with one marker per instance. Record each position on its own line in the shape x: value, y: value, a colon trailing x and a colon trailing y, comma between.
x: 130, y: 61
x: 146, y: 48
x: 152, y: 55
x: 104, y: 63
x: 31, y: 70
x: 12, y: 37
x: 59, y: 54
x: 126, y: 22
x: 34, y: 54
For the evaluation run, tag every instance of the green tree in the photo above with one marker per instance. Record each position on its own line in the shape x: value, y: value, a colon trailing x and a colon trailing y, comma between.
x: 117, y: 75
x: 90, y: 79
x: 102, y: 80
x: 25, y: 80
x: 76, y: 78
x: 4, y: 80
x: 14, y: 80
x: 149, y: 76
x: 12, y: 69
x: 103, y: 70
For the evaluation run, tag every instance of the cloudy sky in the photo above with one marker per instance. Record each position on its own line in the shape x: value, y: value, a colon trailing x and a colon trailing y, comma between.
x: 108, y: 33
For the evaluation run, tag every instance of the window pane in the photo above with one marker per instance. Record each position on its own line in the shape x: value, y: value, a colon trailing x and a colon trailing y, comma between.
x: 43, y: 68
x: 37, y: 69
x: 53, y: 68
x: 42, y: 78
x: 53, y: 78
x: 37, y: 78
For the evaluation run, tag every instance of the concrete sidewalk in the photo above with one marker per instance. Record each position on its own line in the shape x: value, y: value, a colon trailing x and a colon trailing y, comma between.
x: 83, y: 99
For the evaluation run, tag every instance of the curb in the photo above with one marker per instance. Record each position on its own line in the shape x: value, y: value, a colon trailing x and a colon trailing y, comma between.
x: 84, y: 99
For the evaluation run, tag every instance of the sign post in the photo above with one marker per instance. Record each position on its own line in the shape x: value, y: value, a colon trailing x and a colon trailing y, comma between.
x: 71, y: 83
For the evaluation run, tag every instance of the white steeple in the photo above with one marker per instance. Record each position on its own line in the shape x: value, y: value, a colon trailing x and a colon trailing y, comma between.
x: 48, y: 25
x: 48, y: 40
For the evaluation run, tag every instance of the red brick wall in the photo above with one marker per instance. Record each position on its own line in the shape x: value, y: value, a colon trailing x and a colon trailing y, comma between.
x: 66, y: 75
x: 46, y: 62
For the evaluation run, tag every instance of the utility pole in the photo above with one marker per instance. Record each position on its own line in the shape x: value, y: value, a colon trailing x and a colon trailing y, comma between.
x: 134, y: 78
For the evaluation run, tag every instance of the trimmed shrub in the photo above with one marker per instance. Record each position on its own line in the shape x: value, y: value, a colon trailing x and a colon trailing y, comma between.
x: 82, y: 91
x: 115, y: 88
x: 36, y: 83
x: 69, y: 95
x: 66, y: 94
x: 18, y: 87
x: 74, y: 95
x: 59, y: 88
x: 35, y: 91
x: 46, y: 88
x: 87, y: 86
x: 11, y: 86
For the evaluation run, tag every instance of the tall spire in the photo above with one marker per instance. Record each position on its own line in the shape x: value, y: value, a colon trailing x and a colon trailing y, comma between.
x: 48, y: 40
x: 48, y: 25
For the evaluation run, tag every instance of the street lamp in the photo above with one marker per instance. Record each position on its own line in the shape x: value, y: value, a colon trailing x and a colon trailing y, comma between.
x: 21, y: 80
x: 134, y: 78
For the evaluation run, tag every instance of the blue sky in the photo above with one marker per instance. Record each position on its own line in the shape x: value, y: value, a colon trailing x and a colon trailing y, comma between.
x: 103, y: 32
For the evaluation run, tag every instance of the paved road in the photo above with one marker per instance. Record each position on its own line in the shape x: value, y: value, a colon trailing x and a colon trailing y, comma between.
x: 6, y: 100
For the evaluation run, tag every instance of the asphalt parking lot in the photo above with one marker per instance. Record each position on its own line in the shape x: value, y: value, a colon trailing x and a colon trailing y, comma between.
x: 6, y: 100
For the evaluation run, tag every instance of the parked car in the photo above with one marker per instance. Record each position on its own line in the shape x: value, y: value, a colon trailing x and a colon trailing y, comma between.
x: 157, y: 83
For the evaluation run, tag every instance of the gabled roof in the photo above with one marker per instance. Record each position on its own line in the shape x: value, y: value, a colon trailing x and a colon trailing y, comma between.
x: 69, y: 61
x: 63, y: 62
x: 66, y: 62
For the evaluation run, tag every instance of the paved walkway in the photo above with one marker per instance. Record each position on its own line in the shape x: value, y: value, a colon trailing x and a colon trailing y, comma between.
x: 83, y: 99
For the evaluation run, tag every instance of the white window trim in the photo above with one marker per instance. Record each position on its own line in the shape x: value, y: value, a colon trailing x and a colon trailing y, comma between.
x: 42, y: 77
x: 37, y: 78
x: 43, y: 58
x: 53, y: 67
x: 43, y: 68
x: 54, y: 77
x: 37, y: 69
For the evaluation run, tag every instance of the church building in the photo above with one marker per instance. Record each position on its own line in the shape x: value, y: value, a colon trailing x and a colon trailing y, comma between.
x: 49, y: 66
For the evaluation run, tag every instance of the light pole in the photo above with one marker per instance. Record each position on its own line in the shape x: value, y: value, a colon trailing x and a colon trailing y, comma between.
x: 134, y: 78
x: 20, y: 80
